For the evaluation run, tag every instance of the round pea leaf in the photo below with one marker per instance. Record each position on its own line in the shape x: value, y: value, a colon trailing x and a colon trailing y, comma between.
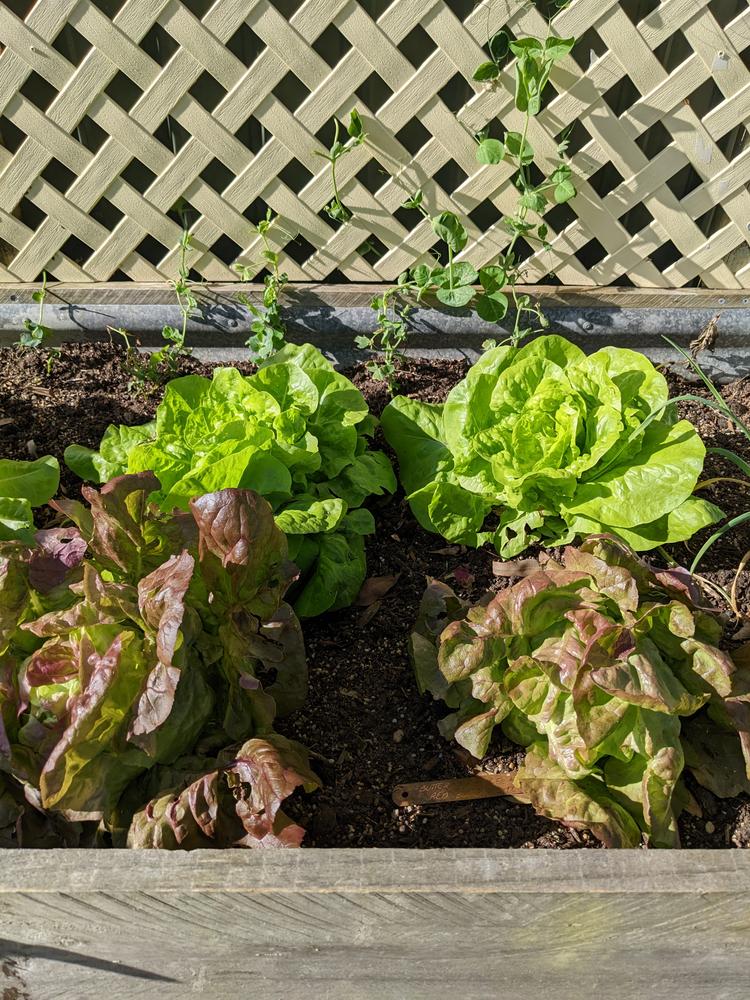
x: 499, y: 44
x: 564, y: 191
x: 490, y: 151
x: 492, y: 278
x: 492, y: 308
x: 463, y: 274
x: 457, y: 298
x: 487, y: 71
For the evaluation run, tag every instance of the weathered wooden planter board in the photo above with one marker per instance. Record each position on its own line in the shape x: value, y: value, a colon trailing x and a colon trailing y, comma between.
x: 375, y: 924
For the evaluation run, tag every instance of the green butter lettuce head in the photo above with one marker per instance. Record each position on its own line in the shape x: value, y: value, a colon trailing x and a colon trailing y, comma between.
x: 296, y: 432
x: 132, y: 638
x: 609, y: 671
x: 557, y: 444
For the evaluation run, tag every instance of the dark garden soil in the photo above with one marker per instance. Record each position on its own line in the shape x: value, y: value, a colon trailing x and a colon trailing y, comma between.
x: 364, y: 719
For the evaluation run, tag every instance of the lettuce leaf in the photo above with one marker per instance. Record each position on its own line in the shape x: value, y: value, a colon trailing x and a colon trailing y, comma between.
x: 237, y: 804
x: 23, y: 486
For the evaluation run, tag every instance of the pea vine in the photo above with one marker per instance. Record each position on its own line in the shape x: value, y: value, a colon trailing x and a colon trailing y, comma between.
x: 268, y: 330
x: 336, y: 209
x: 35, y: 333
x: 175, y: 337
x: 491, y: 290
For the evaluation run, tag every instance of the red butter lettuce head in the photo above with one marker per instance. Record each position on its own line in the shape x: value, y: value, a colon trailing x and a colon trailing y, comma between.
x: 136, y: 638
x: 610, y: 669
x: 235, y: 805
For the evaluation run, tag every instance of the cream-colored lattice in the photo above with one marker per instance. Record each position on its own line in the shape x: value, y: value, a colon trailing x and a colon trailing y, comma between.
x: 122, y: 119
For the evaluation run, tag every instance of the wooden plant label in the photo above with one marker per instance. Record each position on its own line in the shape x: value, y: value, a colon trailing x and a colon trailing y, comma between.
x: 478, y: 786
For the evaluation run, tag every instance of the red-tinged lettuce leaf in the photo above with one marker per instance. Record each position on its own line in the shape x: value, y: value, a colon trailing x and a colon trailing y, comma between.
x: 9, y: 708
x: 473, y: 726
x: 740, y: 697
x: 88, y: 767
x: 243, y: 555
x: 113, y: 522
x: 439, y: 608
x: 656, y: 739
x: 714, y: 757
x: 281, y: 651
x: 56, y: 662
x: 176, y: 700
x: 246, y: 707
x: 272, y: 769
x: 103, y: 603
x: 646, y: 680
x: 14, y: 588
x: 236, y: 805
x: 615, y: 580
x: 57, y: 552
x: 243, y: 561
x: 582, y: 805
x: 161, y: 601
x: 174, y: 706
x: 125, y: 533
x: 175, y: 690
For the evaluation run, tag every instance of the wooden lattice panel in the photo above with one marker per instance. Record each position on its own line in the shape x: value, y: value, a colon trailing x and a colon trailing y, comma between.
x: 122, y: 119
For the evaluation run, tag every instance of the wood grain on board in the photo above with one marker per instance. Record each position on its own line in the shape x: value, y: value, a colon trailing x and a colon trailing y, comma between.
x: 359, y: 295
x: 375, y: 924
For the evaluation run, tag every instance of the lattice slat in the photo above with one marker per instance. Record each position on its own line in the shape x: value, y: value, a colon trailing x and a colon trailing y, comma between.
x: 116, y: 129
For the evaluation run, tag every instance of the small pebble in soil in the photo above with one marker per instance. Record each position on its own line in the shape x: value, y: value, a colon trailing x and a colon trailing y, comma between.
x: 398, y: 736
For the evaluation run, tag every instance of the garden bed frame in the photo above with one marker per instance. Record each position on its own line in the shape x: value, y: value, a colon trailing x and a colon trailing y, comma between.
x: 331, y: 315
x: 380, y: 924
x: 375, y: 924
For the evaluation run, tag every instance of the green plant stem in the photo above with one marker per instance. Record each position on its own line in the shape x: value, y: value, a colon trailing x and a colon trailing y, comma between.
x: 336, y: 196
x: 42, y: 299
x: 721, y: 404
x: 734, y: 523
x: 183, y: 304
x: 273, y: 256
x: 730, y: 456
x: 521, y: 218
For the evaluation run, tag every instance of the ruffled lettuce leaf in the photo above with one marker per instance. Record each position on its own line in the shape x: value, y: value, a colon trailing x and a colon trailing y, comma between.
x: 237, y: 804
